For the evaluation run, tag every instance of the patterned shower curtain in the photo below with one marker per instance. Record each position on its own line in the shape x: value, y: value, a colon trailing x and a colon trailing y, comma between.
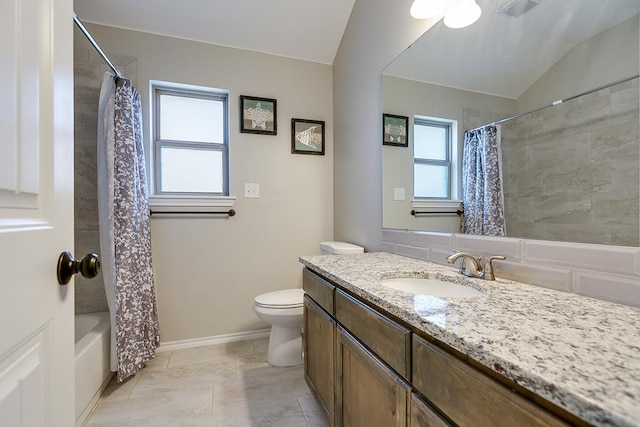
x: 125, y: 234
x: 482, y: 191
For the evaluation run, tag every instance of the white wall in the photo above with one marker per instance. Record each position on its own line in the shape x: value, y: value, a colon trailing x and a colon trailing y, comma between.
x: 377, y: 32
x: 208, y: 270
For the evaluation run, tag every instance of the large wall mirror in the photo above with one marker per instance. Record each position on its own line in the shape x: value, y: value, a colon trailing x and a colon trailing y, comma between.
x: 570, y: 169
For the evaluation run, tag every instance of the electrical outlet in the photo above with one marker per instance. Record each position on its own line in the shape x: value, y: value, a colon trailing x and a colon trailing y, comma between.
x: 398, y: 194
x: 251, y: 190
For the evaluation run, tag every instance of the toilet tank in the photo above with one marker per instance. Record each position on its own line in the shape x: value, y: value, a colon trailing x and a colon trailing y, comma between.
x: 340, y: 248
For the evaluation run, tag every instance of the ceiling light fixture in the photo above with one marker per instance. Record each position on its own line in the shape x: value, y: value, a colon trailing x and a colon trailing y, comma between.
x: 424, y: 9
x: 457, y: 13
x: 462, y: 14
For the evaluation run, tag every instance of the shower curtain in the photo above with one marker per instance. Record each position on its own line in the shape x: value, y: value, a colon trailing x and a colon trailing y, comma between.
x: 482, y: 191
x: 125, y: 234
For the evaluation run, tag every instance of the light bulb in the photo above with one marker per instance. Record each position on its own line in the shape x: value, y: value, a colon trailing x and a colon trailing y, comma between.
x: 423, y: 9
x: 463, y: 14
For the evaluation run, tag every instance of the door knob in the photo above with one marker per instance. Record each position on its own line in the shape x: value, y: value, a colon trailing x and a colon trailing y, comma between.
x: 88, y: 266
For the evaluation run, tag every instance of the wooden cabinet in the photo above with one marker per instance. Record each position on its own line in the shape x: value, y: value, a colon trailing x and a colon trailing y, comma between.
x: 370, y: 370
x: 422, y: 414
x: 368, y: 392
x: 468, y: 396
x: 319, y: 340
x: 319, y: 355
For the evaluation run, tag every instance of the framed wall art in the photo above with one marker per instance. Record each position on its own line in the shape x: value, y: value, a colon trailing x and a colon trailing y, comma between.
x: 307, y: 136
x: 395, y: 130
x: 258, y: 115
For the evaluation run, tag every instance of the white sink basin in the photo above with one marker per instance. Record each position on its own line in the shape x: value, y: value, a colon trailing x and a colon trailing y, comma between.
x: 434, y: 287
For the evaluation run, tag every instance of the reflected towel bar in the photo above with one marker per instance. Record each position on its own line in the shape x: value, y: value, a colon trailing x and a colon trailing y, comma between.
x: 458, y: 212
x: 230, y: 212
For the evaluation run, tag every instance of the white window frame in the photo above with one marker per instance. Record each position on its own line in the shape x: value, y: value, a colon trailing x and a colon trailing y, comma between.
x: 193, y: 201
x: 451, y: 203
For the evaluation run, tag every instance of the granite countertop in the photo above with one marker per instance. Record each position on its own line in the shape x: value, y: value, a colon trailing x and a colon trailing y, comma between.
x: 582, y: 354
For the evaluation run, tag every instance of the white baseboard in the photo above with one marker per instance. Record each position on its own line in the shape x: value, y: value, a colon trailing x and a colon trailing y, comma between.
x: 218, y: 339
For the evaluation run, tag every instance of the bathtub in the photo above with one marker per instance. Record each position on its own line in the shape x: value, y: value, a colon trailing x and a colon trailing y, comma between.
x: 93, y: 338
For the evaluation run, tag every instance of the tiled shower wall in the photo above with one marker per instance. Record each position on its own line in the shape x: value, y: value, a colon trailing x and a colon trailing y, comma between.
x: 571, y: 171
x: 88, y: 71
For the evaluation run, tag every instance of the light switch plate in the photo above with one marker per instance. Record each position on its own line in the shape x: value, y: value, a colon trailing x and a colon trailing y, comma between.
x: 251, y: 190
x: 398, y: 194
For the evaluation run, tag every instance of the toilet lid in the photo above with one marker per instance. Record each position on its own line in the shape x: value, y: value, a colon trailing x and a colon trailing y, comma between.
x: 287, y: 298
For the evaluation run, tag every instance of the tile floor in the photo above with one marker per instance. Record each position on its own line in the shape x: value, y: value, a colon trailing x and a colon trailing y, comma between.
x: 228, y: 385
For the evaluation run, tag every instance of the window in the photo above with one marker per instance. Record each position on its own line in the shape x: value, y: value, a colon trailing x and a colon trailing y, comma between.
x: 432, y: 154
x: 190, y: 141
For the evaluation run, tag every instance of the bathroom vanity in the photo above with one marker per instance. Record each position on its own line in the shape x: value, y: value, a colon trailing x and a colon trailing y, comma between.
x: 516, y: 355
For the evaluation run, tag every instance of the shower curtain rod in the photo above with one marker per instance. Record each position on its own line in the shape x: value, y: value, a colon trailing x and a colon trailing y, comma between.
x: 95, y: 45
x: 558, y: 102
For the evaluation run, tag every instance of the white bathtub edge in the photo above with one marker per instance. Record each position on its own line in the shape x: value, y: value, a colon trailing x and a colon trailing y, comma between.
x: 88, y: 410
x: 92, y: 363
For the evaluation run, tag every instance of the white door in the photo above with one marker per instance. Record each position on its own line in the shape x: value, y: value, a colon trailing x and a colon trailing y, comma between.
x: 36, y: 212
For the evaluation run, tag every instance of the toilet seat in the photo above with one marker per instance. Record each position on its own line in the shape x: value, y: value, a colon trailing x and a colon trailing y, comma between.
x: 287, y: 298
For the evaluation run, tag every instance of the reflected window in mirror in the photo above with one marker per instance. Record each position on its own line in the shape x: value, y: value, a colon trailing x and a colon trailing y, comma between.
x: 432, y: 158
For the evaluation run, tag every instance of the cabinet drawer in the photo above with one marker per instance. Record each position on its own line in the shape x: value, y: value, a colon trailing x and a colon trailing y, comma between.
x: 468, y: 396
x: 390, y: 341
x: 319, y: 289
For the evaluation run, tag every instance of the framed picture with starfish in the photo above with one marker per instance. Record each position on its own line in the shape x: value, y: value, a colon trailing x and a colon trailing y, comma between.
x: 258, y: 115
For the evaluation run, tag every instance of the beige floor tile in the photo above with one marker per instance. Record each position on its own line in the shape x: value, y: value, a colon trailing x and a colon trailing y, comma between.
x: 257, y: 386
x: 167, y: 408
x: 252, y: 361
x: 195, y: 355
x: 183, y: 377
x: 260, y: 345
x: 223, y: 385
x: 160, y: 361
x: 312, y: 411
x: 119, y: 391
x: 276, y: 413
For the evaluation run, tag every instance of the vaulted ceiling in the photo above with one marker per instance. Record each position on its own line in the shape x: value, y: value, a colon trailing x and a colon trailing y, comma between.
x: 302, y: 29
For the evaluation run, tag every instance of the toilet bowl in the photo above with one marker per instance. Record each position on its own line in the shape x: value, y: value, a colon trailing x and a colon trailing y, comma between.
x: 283, y: 311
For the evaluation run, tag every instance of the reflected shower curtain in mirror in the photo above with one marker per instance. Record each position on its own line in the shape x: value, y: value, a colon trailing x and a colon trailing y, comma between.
x: 482, y: 192
x: 125, y: 233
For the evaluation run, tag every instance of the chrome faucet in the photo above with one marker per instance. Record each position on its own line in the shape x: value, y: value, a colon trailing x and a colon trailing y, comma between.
x: 473, y: 266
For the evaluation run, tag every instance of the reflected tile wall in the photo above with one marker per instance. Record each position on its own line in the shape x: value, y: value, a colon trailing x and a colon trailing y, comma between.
x: 571, y: 171
x: 88, y: 71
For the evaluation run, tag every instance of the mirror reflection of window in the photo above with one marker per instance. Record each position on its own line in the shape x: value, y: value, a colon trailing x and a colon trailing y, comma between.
x: 432, y: 165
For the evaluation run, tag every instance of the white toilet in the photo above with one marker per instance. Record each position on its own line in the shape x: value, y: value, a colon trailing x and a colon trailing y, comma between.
x: 283, y: 311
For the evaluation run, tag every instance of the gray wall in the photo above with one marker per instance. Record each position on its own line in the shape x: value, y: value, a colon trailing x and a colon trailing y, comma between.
x: 377, y: 32
x: 208, y: 270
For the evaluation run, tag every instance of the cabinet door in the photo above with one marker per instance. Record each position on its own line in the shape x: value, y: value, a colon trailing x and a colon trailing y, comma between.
x: 319, y: 354
x: 368, y: 392
x: 423, y: 416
